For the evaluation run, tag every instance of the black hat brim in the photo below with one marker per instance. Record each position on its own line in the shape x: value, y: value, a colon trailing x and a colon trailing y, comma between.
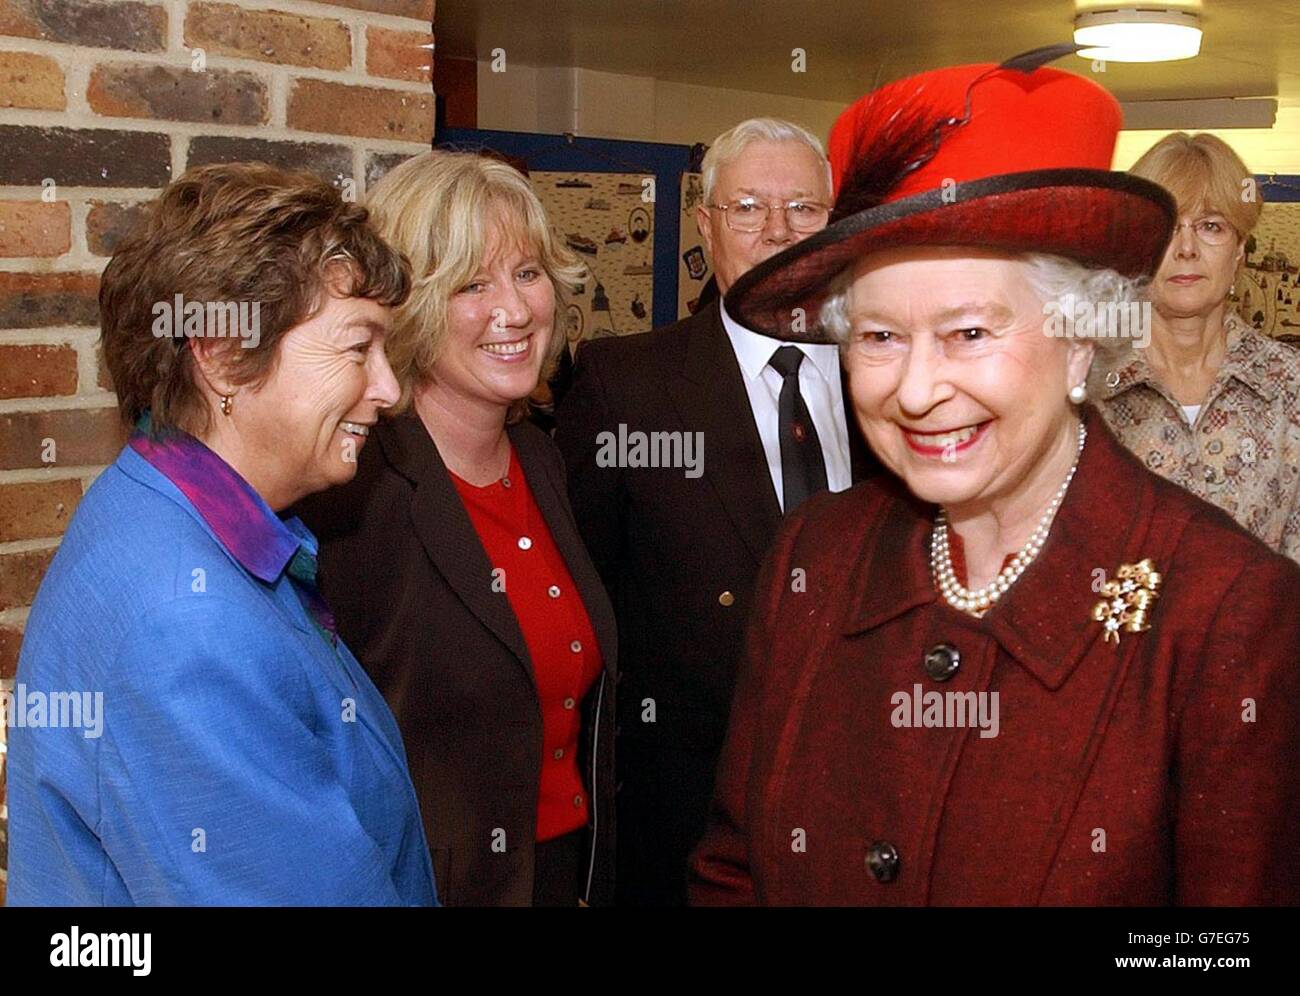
x: 1100, y: 218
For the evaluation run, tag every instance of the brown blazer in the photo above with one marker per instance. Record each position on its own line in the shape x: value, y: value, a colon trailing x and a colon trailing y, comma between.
x: 410, y: 584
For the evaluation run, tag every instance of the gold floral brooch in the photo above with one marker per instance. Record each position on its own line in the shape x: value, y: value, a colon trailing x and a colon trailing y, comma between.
x: 1128, y: 599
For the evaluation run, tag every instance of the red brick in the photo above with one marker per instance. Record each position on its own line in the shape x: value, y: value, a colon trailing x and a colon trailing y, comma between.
x: 83, y: 157
x: 379, y: 163
x: 74, y: 438
x: 39, y: 300
x: 399, y: 55
x: 11, y: 638
x: 268, y: 36
x: 174, y: 93
x: 37, y: 371
x: 361, y: 111
x: 329, y: 161
x: 103, y: 378
x: 137, y: 27
x: 35, y: 228
x: 37, y: 510
x: 20, y: 576
x: 419, y: 9
x: 33, y: 82
x: 108, y: 222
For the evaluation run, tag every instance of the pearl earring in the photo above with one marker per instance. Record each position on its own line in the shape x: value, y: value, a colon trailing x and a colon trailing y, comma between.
x: 1079, y: 394
x: 227, y: 403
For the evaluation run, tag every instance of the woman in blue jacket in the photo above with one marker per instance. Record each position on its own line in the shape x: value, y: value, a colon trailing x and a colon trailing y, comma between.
x: 186, y: 726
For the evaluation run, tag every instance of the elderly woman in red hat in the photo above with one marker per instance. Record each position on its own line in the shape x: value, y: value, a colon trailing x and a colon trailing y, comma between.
x: 1025, y: 669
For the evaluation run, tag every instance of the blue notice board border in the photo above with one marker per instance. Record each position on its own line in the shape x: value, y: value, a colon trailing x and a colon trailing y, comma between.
x: 1278, y: 189
x: 666, y: 163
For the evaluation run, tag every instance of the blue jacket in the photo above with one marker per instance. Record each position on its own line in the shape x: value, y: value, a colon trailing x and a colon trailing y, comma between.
x: 239, y: 760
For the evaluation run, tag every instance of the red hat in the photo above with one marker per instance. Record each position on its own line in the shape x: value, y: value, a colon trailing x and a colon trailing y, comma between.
x: 988, y: 156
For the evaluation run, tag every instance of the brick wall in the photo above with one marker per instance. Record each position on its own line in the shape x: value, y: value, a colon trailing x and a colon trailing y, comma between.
x: 103, y: 101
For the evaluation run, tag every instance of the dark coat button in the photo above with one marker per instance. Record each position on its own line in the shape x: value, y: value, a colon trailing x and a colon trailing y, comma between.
x: 942, y: 661
x: 882, y: 859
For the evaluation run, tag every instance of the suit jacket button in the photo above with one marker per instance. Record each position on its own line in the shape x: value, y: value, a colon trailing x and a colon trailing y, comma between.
x: 726, y: 598
x: 883, y: 861
x: 942, y: 661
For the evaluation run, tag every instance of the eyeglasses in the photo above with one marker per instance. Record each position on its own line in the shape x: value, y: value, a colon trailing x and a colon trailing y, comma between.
x: 748, y: 214
x: 1210, y: 231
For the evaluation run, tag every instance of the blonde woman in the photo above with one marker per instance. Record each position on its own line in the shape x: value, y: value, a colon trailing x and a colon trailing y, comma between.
x: 1212, y: 404
x: 453, y: 563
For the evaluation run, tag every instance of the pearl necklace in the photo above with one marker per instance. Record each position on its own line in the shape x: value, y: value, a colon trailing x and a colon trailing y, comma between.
x: 980, y: 601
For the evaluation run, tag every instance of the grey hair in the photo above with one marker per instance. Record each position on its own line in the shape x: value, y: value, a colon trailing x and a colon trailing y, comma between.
x: 1061, y: 284
x: 732, y: 142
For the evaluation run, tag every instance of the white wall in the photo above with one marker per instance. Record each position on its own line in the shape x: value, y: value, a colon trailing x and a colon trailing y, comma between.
x: 641, y: 108
x: 1264, y: 150
x: 638, y: 108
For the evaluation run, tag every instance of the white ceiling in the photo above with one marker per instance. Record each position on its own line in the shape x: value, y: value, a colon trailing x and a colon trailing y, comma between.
x: 1251, y: 48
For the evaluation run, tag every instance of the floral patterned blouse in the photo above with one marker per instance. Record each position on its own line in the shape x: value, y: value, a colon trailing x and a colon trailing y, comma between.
x: 1243, y: 451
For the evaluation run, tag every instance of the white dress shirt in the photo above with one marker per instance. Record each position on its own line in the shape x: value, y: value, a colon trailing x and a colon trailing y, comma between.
x: 819, y: 383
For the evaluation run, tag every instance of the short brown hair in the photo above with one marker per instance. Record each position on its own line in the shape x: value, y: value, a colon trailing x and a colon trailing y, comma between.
x: 1203, y: 169
x: 231, y: 232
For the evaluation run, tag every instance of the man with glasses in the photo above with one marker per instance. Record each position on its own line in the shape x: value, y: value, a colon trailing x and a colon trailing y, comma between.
x: 677, y: 549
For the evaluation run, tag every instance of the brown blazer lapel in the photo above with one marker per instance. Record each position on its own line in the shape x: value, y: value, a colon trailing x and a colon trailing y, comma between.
x: 548, y: 490
x: 445, y: 531
x: 711, y: 398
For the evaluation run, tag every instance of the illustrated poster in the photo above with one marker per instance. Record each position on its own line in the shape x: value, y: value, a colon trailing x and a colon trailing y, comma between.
x: 607, y: 219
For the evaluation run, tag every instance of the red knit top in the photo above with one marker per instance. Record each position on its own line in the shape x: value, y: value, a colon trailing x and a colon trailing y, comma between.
x: 556, y: 629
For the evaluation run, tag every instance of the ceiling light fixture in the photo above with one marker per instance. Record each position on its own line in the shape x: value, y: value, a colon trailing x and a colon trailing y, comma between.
x: 1133, y: 35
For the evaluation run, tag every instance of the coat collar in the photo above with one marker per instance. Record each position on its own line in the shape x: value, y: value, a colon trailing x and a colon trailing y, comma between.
x: 242, y: 522
x: 754, y: 351
x: 448, y: 536
x: 711, y: 398
x: 444, y: 527
x: 1044, y: 622
x: 1246, y: 360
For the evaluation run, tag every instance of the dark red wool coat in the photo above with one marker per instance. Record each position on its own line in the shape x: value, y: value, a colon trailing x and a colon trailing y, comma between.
x: 1121, y: 774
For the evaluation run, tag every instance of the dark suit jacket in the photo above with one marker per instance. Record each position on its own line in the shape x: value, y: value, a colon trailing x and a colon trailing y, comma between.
x: 410, y: 584
x: 679, y: 556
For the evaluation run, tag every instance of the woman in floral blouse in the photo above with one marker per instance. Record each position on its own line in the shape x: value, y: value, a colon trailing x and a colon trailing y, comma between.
x: 1211, y: 404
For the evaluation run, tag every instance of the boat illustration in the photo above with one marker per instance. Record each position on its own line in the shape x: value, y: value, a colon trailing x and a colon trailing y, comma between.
x: 573, y: 182
x: 615, y: 236
x: 581, y: 243
x: 641, y: 270
x: 629, y: 188
x: 596, y: 204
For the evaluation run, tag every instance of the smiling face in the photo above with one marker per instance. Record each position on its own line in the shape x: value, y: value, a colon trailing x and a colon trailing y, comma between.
x: 300, y: 431
x: 772, y: 172
x: 499, y: 327
x: 1194, y: 278
x: 957, y: 387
